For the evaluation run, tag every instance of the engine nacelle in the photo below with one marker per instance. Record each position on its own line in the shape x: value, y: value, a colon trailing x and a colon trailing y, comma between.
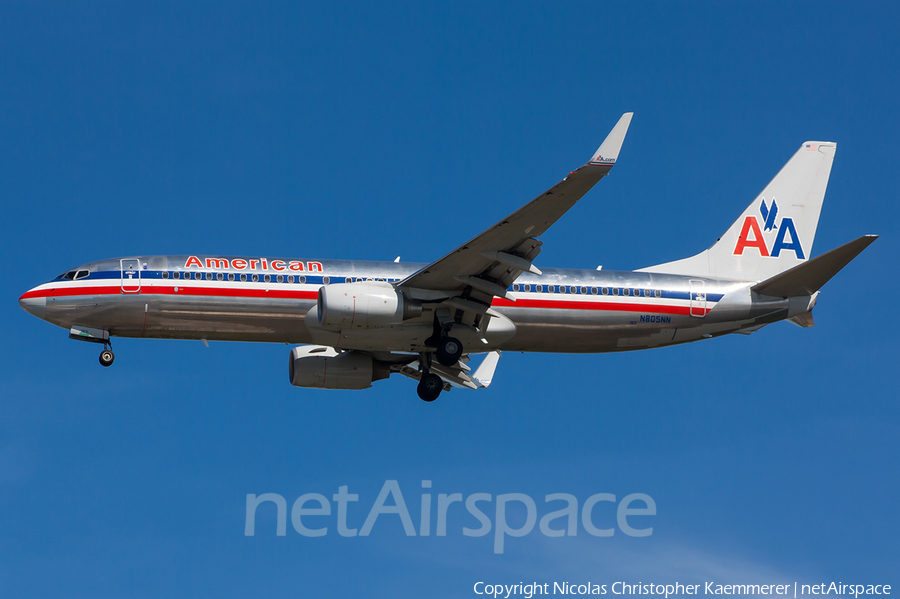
x: 364, y: 305
x: 325, y: 368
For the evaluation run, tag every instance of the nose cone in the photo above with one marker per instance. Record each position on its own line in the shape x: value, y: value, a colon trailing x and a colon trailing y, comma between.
x: 33, y: 305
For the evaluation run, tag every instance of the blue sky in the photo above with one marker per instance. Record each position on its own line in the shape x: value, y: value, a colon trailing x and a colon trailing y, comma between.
x: 354, y: 130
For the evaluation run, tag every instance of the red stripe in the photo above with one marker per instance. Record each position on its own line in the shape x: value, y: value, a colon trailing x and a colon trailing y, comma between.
x: 311, y: 295
x: 158, y: 290
x: 606, y: 306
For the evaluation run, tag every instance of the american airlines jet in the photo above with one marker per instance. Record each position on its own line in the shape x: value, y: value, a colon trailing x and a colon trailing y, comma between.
x: 359, y: 322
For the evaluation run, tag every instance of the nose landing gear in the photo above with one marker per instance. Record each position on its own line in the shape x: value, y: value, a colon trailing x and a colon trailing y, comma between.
x: 90, y: 335
x: 107, y: 356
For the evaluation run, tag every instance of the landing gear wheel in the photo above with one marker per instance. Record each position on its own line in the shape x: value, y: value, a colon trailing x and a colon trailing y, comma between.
x: 107, y: 357
x: 430, y: 386
x: 449, y: 350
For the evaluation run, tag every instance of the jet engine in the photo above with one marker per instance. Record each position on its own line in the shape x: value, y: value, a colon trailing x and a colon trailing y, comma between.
x: 325, y: 368
x: 364, y: 305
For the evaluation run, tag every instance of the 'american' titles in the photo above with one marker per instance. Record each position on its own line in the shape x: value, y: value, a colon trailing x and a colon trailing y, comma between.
x: 253, y: 264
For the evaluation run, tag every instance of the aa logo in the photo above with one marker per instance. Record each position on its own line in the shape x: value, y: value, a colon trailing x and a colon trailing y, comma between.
x: 752, y: 234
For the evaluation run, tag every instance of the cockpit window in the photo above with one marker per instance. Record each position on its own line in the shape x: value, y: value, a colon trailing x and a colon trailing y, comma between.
x: 82, y: 274
x: 69, y: 276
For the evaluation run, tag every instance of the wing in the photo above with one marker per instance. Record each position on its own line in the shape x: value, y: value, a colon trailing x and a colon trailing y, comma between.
x: 486, y: 265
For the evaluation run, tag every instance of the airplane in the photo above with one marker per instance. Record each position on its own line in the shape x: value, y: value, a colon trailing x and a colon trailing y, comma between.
x: 359, y: 322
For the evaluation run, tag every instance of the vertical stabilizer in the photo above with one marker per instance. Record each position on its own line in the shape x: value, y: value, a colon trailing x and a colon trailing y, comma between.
x: 776, y: 231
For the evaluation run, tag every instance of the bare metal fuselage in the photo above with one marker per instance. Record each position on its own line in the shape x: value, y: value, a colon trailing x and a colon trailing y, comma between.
x: 561, y: 310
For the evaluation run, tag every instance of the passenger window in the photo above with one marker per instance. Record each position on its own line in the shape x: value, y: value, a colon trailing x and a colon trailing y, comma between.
x: 583, y: 290
x: 176, y: 275
x: 615, y: 291
x: 658, y: 293
x: 243, y: 277
x: 348, y: 280
x: 220, y: 276
x: 254, y: 277
x: 647, y: 293
x: 268, y: 278
x: 231, y: 276
x: 280, y: 278
x: 326, y: 280
x: 605, y: 291
x: 593, y: 291
x: 539, y: 288
x: 165, y: 274
x: 573, y: 289
x: 290, y: 278
x: 302, y: 279
x: 515, y: 287
x: 527, y: 287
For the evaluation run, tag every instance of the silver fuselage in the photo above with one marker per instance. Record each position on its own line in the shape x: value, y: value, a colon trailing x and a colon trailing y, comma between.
x: 267, y: 299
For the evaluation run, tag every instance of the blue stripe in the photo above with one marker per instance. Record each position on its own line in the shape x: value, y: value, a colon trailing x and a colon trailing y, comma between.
x: 318, y: 280
x: 153, y: 275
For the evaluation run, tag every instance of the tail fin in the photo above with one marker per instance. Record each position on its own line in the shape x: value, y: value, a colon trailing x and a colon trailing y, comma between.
x: 777, y: 229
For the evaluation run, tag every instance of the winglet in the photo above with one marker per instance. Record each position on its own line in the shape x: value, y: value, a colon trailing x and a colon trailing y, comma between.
x: 485, y: 373
x: 608, y: 151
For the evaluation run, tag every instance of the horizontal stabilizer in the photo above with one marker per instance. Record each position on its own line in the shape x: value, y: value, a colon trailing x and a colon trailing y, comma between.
x: 809, y: 277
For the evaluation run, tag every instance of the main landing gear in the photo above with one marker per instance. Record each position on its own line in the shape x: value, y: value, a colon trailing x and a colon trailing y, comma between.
x: 430, y: 386
x: 449, y: 351
x: 107, y: 356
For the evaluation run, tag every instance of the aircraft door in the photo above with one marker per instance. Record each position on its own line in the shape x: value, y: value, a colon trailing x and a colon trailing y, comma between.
x: 698, y: 298
x: 131, y: 275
